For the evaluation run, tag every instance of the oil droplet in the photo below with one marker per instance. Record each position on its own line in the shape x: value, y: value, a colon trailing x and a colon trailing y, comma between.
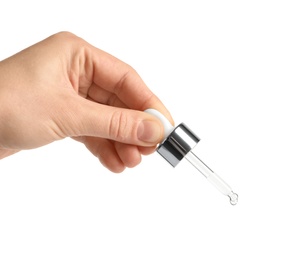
x: 233, y: 198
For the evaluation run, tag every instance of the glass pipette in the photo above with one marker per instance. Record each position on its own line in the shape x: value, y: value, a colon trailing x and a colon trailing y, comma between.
x: 212, y: 177
x: 178, y: 143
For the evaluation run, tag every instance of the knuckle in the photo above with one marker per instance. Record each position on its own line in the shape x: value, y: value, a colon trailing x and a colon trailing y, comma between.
x: 63, y: 36
x: 118, y: 129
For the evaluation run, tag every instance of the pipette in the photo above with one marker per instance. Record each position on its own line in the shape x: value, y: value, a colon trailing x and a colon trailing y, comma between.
x: 178, y: 143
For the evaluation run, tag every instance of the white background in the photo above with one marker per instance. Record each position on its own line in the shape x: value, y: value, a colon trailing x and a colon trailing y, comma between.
x: 232, y: 71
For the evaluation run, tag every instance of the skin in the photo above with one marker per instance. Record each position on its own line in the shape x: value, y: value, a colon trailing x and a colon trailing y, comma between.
x: 64, y: 87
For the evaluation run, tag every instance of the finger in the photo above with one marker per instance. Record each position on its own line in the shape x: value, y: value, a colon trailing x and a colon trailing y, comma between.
x: 146, y: 150
x: 119, y: 78
x: 103, y: 96
x: 118, y: 124
x: 105, y: 151
x: 129, y: 154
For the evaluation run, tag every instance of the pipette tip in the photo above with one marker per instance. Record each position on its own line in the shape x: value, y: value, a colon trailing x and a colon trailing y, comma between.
x: 233, y: 198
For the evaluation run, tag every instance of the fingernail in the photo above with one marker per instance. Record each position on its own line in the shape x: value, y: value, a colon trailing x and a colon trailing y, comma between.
x: 149, y: 131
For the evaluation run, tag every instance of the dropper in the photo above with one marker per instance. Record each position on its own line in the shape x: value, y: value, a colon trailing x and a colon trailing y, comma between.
x: 178, y: 143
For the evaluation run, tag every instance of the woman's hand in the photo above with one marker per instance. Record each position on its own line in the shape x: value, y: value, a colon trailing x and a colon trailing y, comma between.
x: 65, y: 87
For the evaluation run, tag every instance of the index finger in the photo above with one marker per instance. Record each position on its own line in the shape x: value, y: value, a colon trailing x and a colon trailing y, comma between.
x: 119, y: 78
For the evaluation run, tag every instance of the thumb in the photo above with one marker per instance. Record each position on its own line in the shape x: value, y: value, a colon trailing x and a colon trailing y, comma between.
x: 118, y: 124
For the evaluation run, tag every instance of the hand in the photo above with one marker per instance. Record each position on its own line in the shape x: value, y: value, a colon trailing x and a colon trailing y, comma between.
x: 65, y: 87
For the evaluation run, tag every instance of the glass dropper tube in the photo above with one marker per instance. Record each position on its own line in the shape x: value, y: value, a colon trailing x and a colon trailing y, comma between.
x: 178, y: 143
x: 212, y: 177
